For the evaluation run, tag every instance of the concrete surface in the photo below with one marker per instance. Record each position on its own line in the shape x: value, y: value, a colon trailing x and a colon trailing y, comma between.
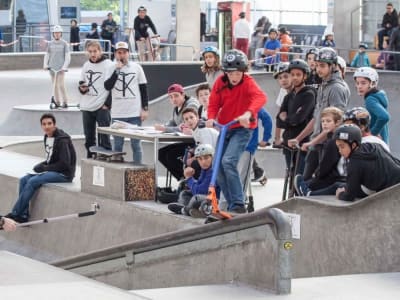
x: 345, y: 287
x: 22, y: 278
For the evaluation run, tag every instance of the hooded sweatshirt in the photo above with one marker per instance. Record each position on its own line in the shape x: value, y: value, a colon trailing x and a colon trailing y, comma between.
x: 57, y: 56
x: 333, y: 92
x: 63, y: 156
x: 370, y: 169
x: 94, y: 75
x: 376, y: 102
x: 177, y: 119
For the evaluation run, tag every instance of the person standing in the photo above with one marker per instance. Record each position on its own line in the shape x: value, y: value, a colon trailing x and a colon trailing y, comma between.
x: 241, y: 33
x: 56, y: 60
x: 128, y: 85
x: 59, y: 166
x: 95, y: 103
x: 74, y: 35
x: 389, y: 22
x: 20, y: 27
x: 108, y: 27
x: 141, y: 25
x: 286, y: 43
x: 94, y: 33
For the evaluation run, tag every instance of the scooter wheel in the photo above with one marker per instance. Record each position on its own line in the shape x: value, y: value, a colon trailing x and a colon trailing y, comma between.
x: 206, y: 208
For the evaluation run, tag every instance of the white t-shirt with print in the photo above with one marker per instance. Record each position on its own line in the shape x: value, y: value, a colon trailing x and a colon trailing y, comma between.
x: 49, y: 148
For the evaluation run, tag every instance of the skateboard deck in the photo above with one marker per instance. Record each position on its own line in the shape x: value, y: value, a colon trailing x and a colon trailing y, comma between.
x: 105, y: 154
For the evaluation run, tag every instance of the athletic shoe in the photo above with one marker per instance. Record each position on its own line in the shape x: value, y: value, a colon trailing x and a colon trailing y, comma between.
x: 300, y: 186
x: 17, y: 219
x: 258, y: 175
x: 176, y: 207
x: 238, y: 210
x: 64, y: 105
x: 196, y: 213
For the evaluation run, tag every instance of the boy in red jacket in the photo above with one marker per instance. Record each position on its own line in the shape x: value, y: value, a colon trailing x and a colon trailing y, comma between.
x: 234, y: 96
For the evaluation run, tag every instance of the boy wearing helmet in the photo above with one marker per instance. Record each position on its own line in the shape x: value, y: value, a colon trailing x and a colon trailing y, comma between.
x: 313, y: 79
x: 370, y: 168
x: 141, y: 25
x: 332, y: 92
x: 271, y: 47
x: 297, y: 108
x: 56, y: 61
x: 360, y: 117
x: 190, y: 200
x: 235, y: 95
x: 361, y: 59
x: 212, y: 66
x: 376, y: 101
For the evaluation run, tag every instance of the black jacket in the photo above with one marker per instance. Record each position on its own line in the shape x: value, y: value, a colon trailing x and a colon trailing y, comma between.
x: 299, y: 108
x: 74, y: 35
x: 63, y: 158
x: 108, y: 28
x: 391, y: 19
x: 370, y: 166
x: 141, y: 26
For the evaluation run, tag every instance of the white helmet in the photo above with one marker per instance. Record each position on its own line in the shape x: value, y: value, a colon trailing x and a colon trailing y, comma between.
x: 203, y: 149
x: 341, y: 62
x: 57, y: 28
x: 367, y: 72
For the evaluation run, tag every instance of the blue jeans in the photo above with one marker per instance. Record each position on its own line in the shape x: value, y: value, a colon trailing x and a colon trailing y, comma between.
x: 135, y: 143
x: 28, y: 185
x: 228, y: 177
x: 329, y: 190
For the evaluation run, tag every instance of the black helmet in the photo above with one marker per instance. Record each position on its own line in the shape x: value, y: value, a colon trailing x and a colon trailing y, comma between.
x: 349, y: 133
x: 327, y: 55
x: 282, y: 67
x: 234, y: 60
x: 272, y: 30
x: 299, y: 64
x: 312, y: 51
x: 358, y: 115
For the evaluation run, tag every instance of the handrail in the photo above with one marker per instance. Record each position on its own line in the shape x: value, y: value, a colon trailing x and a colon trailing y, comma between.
x: 272, y: 216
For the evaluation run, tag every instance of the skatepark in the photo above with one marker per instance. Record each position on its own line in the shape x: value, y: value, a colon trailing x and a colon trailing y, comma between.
x: 341, y: 250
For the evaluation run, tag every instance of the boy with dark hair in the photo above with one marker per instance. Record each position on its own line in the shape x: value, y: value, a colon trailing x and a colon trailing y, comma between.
x: 59, y: 166
x: 234, y: 96
x: 313, y: 79
x: 330, y: 172
x: 203, y: 94
x: 297, y: 108
x: 370, y: 168
x: 271, y: 47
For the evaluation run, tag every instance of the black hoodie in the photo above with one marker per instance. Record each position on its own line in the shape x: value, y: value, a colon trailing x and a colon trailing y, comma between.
x: 63, y: 158
x: 372, y: 167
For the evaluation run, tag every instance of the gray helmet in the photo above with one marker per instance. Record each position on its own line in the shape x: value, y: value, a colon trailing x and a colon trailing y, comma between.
x: 359, y: 115
x: 299, y: 64
x: 203, y: 149
x: 282, y: 67
x: 234, y: 60
x: 327, y: 55
x: 349, y: 133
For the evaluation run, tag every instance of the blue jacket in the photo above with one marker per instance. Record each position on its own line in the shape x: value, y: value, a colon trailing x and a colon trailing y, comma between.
x: 266, y: 121
x: 376, y: 102
x: 200, y: 186
x: 272, y: 45
x: 360, y: 60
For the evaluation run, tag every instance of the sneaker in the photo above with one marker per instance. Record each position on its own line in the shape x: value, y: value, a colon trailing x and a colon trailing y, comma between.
x: 258, y: 175
x: 176, y: 207
x: 300, y: 186
x: 64, y: 105
x: 238, y: 210
x: 196, y: 213
x: 17, y: 219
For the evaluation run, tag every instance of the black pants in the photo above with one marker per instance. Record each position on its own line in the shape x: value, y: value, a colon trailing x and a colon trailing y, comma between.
x: 103, y: 118
x: 311, y: 163
x: 171, y: 157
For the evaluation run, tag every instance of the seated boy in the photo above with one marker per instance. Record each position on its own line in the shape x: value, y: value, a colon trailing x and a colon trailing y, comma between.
x: 370, y: 168
x: 330, y: 172
x: 189, y: 201
x: 203, y: 93
x: 360, y: 116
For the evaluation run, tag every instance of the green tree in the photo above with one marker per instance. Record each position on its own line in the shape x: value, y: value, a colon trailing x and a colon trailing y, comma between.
x: 107, y: 5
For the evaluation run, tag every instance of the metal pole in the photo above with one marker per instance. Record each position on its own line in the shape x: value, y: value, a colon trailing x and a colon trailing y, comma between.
x: 122, y: 14
x: 15, y: 25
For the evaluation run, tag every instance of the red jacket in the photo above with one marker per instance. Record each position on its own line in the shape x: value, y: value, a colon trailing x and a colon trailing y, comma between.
x: 227, y: 103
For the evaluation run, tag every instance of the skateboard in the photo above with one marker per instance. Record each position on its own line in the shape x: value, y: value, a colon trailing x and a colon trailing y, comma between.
x: 101, y: 153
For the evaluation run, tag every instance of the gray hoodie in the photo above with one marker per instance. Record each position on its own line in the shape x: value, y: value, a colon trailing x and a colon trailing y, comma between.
x: 172, y: 125
x: 333, y: 92
x: 57, y: 56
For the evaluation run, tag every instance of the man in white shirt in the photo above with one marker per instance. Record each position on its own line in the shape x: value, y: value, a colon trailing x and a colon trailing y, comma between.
x: 128, y: 85
x: 241, y: 33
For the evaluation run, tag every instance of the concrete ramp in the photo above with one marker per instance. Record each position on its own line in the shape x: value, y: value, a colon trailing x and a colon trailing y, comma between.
x: 22, y: 278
